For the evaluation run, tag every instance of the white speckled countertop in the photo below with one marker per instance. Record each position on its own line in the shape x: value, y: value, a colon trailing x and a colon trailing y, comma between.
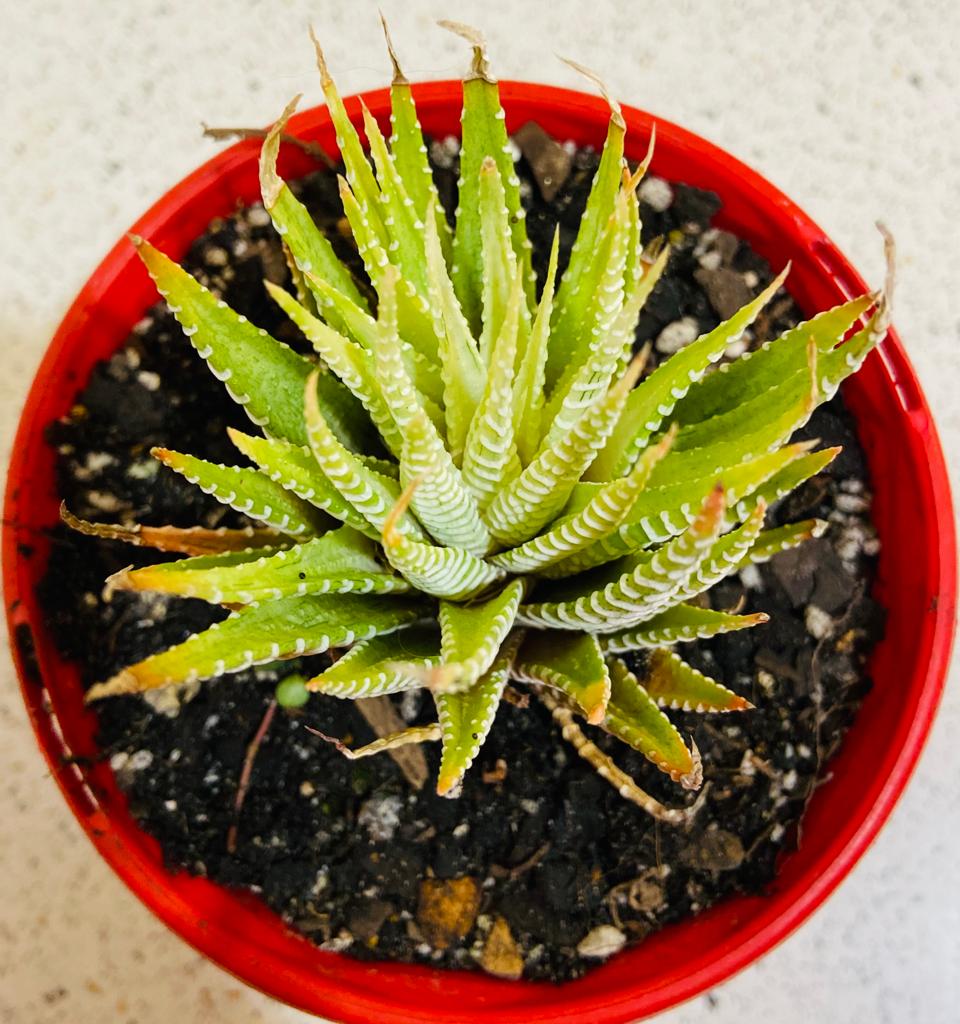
x: 850, y: 108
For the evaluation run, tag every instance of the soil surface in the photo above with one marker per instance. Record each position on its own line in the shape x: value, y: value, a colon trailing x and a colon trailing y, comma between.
x: 538, y: 853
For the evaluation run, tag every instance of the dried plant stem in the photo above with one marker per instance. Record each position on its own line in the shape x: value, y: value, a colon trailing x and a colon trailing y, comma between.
x: 225, y: 134
x: 381, y: 715
x: 246, y: 772
x: 403, y: 746
x: 607, y: 769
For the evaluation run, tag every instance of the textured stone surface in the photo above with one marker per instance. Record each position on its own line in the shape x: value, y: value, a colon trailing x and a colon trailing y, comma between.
x: 849, y: 108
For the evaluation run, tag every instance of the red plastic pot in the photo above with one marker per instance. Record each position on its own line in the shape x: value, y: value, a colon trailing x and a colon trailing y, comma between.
x: 916, y: 583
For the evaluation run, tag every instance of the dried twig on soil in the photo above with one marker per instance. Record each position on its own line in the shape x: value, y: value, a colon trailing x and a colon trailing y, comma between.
x: 244, y: 784
x: 225, y: 134
x: 515, y: 872
x: 384, y: 719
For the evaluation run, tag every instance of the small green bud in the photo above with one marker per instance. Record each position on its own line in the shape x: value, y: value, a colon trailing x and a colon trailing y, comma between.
x: 292, y: 692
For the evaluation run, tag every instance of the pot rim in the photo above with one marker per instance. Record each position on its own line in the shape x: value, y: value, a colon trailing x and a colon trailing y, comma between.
x: 287, y: 967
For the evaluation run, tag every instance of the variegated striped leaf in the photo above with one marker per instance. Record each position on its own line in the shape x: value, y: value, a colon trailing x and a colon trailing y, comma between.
x: 248, y: 491
x: 366, y: 490
x: 461, y: 368
x: 473, y: 634
x: 308, y: 246
x: 601, y: 347
x: 528, y: 388
x: 490, y: 459
x: 632, y: 592
x: 466, y: 718
x: 261, y: 633
x: 295, y: 469
x: 373, y: 668
x: 341, y: 562
x: 756, y: 373
x: 683, y: 623
x: 578, y: 283
x: 633, y: 717
x: 410, y: 153
x: 532, y: 499
x: 782, y: 538
x: 442, y: 501
x: 598, y: 518
x: 259, y: 372
x: 484, y: 135
x: 570, y: 662
x: 448, y: 572
x: 654, y: 400
x: 349, y: 361
x: 671, y: 682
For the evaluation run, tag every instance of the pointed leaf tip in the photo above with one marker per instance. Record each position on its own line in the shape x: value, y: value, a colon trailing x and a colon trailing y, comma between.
x: 399, y: 78
x: 270, y: 182
x: 616, y: 114
x: 480, y: 66
x: 321, y: 59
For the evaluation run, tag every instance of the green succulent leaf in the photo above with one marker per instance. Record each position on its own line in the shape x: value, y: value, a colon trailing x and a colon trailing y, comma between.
x: 635, y: 589
x: 348, y: 360
x: 725, y: 556
x: 250, y: 492
x: 376, y: 667
x: 541, y: 490
x: 442, y: 501
x: 341, y: 562
x: 461, y: 368
x: 410, y: 154
x: 583, y: 381
x: 308, y: 246
x: 266, y: 632
x: 472, y: 634
x: 755, y: 373
x: 680, y: 624
x: 466, y: 718
x: 449, y: 572
x: 403, y: 224
x: 528, y: 388
x: 413, y: 310
x: 599, y: 518
x: 653, y: 401
x: 782, y: 538
x: 364, y: 330
x: 633, y: 717
x: 664, y: 512
x: 484, y: 136
x: 500, y: 265
x: 296, y: 470
x: 578, y: 285
x: 672, y: 683
x: 359, y: 174
x: 369, y: 492
x: 490, y: 458
x: 259, y: 372
x: 570, y: 662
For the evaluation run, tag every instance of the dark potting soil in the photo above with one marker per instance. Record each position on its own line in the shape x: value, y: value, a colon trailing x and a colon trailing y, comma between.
x: 538, y: 844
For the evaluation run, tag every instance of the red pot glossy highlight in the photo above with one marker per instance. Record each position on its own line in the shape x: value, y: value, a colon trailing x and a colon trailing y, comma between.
x: 916, y: 583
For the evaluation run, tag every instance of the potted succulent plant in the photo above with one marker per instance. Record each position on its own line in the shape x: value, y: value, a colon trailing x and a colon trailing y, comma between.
x: 475, y: 488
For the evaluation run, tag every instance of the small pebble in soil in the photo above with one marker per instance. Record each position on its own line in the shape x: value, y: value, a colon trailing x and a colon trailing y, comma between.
x: 602, y: 942
x: 677, y: 335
